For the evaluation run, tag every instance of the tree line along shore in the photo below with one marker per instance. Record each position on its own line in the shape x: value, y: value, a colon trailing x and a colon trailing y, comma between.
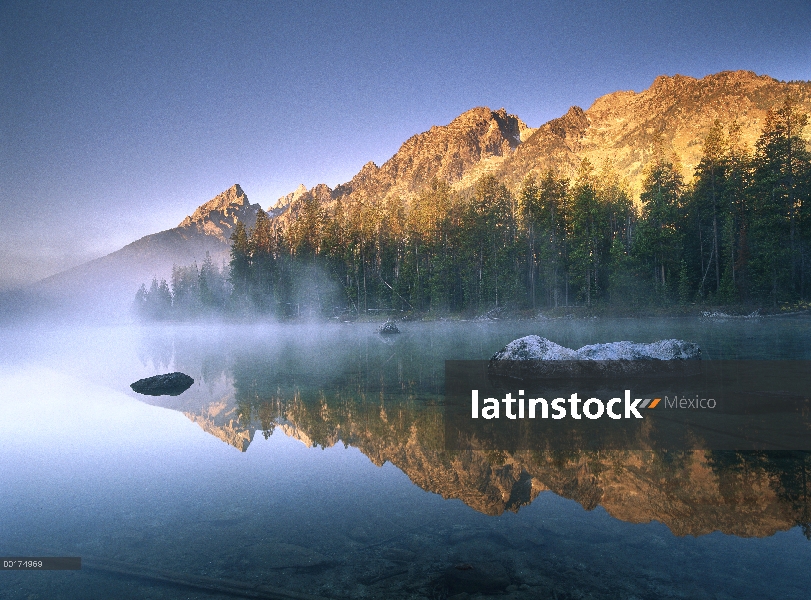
x: 738, y: 234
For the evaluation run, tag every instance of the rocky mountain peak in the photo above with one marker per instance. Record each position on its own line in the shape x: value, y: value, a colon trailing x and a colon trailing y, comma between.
x: 369, y: 168
x: 218, y: 216
x: 620, y: 129
x: 623, y: 128
x: 365, y: 178
x: 665, y: 83
x: 290, y: 204
x: 446, y: 152
x: 299, y: 191
x: 572, y: 125
x: 283, y: 202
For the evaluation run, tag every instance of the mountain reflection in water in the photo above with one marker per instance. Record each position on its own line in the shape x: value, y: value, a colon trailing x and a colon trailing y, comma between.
x: 384, y: 398
x: 146, y: 497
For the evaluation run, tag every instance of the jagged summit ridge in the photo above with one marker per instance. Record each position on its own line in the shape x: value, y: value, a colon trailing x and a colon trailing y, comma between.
x: 678, y: 112
x: 621, y: 129
x: 447, y: 152
x: 283, y: 202
x: 470, y: 145
x: 218, y: 216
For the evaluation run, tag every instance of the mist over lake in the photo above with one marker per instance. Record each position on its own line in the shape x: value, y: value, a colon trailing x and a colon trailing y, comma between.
x: 311, y: 458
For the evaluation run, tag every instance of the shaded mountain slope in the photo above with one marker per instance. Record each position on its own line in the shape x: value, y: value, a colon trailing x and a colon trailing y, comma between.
x: 108, y: 284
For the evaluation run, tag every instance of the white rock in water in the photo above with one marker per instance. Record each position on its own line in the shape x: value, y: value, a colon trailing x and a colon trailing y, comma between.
x: 661, y: 350
x: 533, y: 347
x: 536, y: 357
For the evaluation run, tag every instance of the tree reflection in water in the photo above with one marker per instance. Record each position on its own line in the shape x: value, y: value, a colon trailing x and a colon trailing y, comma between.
x: 387, y: 402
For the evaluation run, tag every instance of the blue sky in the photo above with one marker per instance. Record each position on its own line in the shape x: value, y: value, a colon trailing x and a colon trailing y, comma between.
x: 117, y: 120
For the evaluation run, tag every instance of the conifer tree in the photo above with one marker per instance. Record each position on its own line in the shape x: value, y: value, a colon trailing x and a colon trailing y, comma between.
x: 590, y: 234
x: 708, y: 195
x: 240, y: 265
x: 139, y: 306
x: 211, y: 286
x: 657, y: 242
x: 779, y: 237
x: 262, y: 248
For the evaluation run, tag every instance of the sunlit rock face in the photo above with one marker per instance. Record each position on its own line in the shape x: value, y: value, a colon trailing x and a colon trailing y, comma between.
x: 283, y: 203
x: 291, y: 207
x: 460, y: 152
x: 624, y: 129
x: 675, y: 113
x: 446, y: 152
x: 218, y: 217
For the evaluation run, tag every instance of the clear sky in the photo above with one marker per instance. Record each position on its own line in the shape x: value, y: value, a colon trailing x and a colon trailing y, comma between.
x: 119, y: 119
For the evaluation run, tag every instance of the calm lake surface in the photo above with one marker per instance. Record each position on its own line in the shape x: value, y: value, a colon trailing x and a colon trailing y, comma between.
x: 308, y: 461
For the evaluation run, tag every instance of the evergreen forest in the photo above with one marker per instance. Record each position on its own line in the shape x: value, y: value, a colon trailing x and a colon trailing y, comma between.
x: 738, y: 233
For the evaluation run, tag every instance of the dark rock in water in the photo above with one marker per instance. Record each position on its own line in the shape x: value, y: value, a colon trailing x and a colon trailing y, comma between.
x: 485, y: 577
x: 389, y: 327
x: 170, y: 384
x: 536, y: 357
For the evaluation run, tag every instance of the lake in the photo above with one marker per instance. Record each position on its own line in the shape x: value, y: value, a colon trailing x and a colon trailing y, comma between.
x: 308, y: 461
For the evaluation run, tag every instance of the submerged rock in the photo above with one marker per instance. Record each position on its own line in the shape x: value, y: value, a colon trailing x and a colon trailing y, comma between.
x: 389, y: 327
x: 169, y: 384
x: 534, y: 356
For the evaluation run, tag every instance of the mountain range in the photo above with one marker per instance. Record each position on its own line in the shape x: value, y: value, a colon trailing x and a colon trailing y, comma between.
x: 623, y: 129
